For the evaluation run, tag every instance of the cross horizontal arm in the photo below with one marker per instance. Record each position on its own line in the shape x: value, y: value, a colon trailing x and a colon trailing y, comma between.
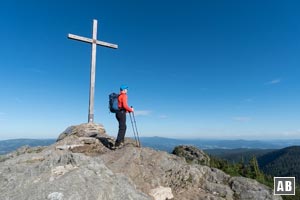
x: 80, y: 38
x: 114, y: 46
x: 88, y: 40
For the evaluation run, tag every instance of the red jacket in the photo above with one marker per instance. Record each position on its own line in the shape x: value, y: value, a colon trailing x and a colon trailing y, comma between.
x: 122, y: 102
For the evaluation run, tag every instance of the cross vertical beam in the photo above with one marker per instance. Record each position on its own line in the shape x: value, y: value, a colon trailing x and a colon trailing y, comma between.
x: 93, y: 74
x: 94, y: 43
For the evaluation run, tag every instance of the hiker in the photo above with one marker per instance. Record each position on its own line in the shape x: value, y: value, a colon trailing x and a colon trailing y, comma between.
x: 121, y: 115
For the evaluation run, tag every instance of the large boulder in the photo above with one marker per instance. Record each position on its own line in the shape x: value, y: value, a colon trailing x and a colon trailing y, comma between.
x: 88, y: 138
x: 84, y: 130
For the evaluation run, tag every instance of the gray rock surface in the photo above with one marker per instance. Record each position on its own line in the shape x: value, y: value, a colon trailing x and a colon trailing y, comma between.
x: 161, y: 193
x: 249, y: 189
x: 82, y: 167
x: 192, y: 154
x: 84, y: 130
x: 61, y: 174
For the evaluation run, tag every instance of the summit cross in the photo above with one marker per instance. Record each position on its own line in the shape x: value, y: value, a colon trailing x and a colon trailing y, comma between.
x: 94, y: 43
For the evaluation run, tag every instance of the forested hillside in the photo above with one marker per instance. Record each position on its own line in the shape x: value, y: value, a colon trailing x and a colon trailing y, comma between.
x: 237, y: 155
x: 283, y: 162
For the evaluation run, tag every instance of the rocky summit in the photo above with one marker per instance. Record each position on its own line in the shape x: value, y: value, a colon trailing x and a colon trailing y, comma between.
x: 84, y: 165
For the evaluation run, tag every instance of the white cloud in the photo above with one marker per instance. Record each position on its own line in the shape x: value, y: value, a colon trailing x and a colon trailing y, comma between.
x: 242, y: 119
x: 295, y: 133
x: 163, y: 116
x: 272, y: 82
x: 142, y: 112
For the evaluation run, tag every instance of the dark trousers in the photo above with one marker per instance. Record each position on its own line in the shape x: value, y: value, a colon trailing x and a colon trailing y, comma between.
x: 121, y: 117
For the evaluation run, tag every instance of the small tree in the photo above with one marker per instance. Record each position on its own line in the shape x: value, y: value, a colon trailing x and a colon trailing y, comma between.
x: 255, y: 172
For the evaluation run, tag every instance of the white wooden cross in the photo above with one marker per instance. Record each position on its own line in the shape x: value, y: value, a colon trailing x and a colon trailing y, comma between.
x: 94, y: 43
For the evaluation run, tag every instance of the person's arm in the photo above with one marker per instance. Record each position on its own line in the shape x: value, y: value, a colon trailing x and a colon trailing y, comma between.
x: 125, y: 105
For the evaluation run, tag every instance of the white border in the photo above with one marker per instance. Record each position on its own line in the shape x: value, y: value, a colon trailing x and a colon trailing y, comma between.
x: 293, y: 177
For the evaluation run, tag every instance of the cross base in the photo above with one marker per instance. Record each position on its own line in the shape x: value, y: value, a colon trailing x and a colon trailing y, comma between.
x: 91, y: 118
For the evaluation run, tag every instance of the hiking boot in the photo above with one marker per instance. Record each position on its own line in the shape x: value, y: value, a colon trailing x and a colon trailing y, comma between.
x: 119, y: 144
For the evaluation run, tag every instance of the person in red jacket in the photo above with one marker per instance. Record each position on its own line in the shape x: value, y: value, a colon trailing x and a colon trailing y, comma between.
x: 121, y: 114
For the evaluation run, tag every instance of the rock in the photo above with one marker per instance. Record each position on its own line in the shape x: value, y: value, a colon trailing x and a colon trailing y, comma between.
x: 78, y: 166
x: 55, y: 196
x: 63, y: 175
x: 245, y: 188
x: 89, y: 139
x: 86, y: 145
x: 192, y: 155
x: 20, y: 151
x: 150, y: 169
x: 84, y: 130
x: 59, y: 171
x: 161, y: 193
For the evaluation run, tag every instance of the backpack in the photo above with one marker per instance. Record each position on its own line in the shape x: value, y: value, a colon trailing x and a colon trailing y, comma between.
x: 113, y: 102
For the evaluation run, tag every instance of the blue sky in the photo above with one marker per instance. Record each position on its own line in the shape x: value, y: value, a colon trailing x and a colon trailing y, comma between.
x: 195, y: 69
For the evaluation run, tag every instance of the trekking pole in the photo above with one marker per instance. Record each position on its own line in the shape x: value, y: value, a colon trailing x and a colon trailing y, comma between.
x: 136, y: 130
x: 133, y: 130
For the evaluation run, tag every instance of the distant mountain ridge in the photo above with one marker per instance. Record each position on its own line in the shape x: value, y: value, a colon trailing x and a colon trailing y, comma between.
x: 166, y: 144
x: 7, y: 146
x: 284, y: 162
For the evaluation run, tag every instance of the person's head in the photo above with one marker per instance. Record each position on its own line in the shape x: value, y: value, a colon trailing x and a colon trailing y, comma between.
x: 123, y: 88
